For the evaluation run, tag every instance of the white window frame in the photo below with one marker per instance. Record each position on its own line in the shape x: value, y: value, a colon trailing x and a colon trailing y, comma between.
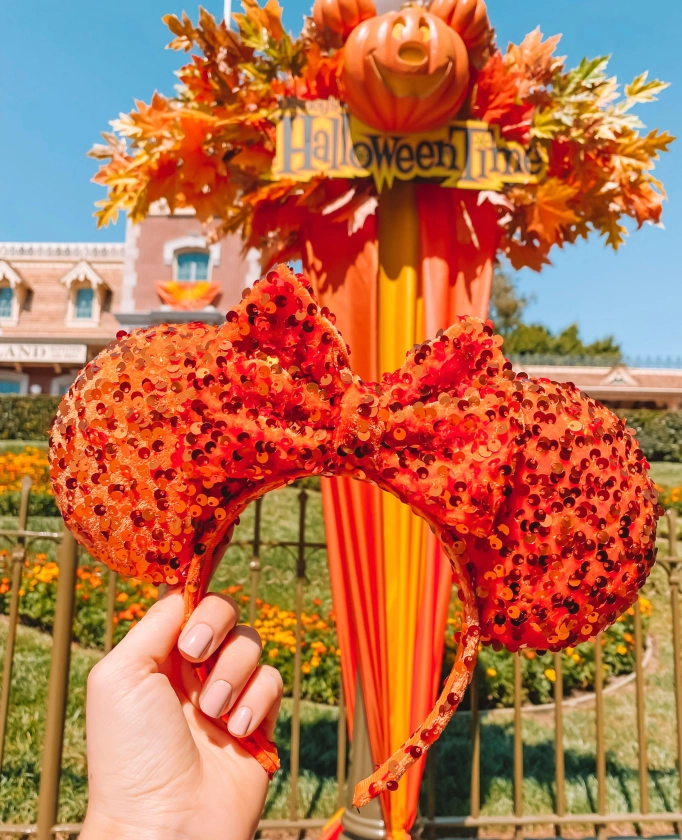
x: 21, y: 378
x: 10, y: 279
x: 63, y: 379
x: 84, y: 276
x: 176, y: 267
x: 191, y: 242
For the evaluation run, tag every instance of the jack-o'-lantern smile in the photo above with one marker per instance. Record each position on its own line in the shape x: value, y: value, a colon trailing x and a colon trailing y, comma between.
x: 415, y: 79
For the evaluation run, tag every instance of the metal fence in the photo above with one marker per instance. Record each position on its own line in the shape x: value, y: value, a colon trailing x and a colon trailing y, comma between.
x: 433, y: 825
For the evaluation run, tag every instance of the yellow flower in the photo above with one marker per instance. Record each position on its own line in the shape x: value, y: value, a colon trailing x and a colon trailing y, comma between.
x: 121, y: 597
x: 490, y: 672
x: 315, y: 661
x: 273, y: 653
x: 621, y: 650
x: 550, y: 673
x: 305, y: 667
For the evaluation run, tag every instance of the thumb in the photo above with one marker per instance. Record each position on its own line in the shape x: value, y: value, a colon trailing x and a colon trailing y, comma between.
x: 149, y: 643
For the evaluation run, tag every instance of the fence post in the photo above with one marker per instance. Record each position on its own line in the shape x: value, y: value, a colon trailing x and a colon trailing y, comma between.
x: 559, y: 763
x: 601, y: 738
x: 518, y: 745
x: 18, y: 557
x: 111, y: 609
x: 674, y: 581
x: 254, y: 565
x: 475, y: 786
x: 296, y: 713
x: 641, y: 715
x: 57, y: 694
x: 341, y: 749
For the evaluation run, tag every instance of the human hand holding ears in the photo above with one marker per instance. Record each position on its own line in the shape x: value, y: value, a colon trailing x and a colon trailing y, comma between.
x: 160, y: 762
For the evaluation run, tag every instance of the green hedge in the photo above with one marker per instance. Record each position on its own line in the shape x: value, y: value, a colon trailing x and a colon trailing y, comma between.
x: 26, y: 418
x: 39, y: 504
x: 659, y: 432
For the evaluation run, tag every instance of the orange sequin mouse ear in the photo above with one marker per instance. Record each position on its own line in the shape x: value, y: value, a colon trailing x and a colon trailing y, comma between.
x: 540, y: 495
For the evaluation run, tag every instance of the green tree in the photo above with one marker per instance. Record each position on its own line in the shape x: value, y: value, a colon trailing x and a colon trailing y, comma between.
x: 507, y: 307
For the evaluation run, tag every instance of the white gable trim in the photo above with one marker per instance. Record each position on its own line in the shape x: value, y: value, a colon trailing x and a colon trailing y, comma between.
x: 192, y: 240
x: 9, y: 274
x: 620, y: 375
x: 81, y: 272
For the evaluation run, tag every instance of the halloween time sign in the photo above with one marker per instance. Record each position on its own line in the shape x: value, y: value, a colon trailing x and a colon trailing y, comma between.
x: 325, y: 141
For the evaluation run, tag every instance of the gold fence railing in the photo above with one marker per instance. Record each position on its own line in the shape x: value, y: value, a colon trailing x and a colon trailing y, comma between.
x: 46, y: 826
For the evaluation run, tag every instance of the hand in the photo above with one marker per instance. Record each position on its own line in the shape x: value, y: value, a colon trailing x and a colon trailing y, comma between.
x: 160, y: 764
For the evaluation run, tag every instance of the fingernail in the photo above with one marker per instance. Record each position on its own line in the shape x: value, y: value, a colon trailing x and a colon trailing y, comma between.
x: 197, y: 641
x: 239, y: 721
x: 214, y: 703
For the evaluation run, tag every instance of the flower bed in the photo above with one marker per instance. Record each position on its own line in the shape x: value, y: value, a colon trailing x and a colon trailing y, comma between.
x: 539, y: 676
x: 14, y: 466
x: 670, y: 497
x: 320, y: 670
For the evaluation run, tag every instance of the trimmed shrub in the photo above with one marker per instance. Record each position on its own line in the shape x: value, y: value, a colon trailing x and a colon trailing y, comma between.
x: 26, y: 418
x: 659, y: 432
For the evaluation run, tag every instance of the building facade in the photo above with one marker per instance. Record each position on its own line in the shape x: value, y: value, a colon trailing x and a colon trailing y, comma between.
x: 61, y: 303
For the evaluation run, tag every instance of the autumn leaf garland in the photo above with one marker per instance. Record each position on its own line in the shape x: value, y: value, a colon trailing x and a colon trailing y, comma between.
x: 211, y: 146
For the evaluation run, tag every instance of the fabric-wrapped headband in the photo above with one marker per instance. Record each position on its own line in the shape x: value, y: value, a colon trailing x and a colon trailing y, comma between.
x: 540, y: 496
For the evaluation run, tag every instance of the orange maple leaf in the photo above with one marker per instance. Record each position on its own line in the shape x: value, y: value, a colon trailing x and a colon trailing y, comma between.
x: 522, y: 255
x: 535, y: 59
x: 550, y: 211
x: 496, y: 100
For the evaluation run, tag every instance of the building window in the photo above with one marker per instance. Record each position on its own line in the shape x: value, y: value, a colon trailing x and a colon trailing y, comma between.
x: 13, y: 383
x: 87, y: 292
x: 14, y: 294
x: 7, y: 387
x: 84, y: 303
x: 6, y: 301
x: 191, y: 266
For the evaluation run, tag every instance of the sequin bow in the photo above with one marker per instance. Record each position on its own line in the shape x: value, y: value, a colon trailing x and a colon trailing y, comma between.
x: 540, y: 496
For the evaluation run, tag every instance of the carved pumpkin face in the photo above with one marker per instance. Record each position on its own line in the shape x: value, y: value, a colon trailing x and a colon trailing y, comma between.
x: 405, y: 71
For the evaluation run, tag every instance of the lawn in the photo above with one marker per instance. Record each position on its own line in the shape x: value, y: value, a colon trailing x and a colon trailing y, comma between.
x: 666, y: 473
x: 20, y: 774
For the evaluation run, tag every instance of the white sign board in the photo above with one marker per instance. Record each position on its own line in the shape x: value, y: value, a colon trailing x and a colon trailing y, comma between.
x: 48, y: 353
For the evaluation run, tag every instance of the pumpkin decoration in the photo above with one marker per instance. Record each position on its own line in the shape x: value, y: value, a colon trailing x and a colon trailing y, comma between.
x: 469, y: 19
x: 341, y: 16
x: 405, y: 71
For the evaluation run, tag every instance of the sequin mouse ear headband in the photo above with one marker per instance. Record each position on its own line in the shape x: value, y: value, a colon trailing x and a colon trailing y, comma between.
x: 540, y: 496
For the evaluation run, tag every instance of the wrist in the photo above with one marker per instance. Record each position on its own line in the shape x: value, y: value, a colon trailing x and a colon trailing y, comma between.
x: 97, y: 827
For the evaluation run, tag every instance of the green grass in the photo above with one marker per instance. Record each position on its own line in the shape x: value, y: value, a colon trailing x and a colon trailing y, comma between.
x: 16, y: 446
x: 317, y: 786
x: 277, y: 578
x: 453, y: 751
x: 663, y: 472
x: 20, y: 777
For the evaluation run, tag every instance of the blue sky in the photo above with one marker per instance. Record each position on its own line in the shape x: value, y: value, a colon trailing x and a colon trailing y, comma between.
x: 68, y: 68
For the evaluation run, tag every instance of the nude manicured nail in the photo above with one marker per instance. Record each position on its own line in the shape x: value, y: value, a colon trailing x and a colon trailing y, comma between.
x: 239, y: 721
x: 214, y: 702
x: 197, y: 641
